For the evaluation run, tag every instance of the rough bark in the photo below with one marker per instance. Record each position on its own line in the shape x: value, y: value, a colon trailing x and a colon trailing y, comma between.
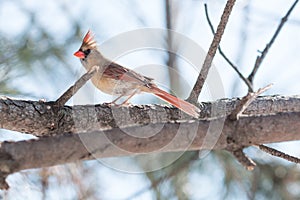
x: 59, y: 149
x: 44, y: 118
x: 268, y: 119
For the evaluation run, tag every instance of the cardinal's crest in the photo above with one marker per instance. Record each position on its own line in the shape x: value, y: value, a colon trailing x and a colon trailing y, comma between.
x: 89, y: 40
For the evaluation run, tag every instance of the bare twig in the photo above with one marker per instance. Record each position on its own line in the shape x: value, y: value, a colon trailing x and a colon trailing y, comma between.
x: 171, y: 17
x: 74, y: 88
x: 279, y: 154
x: 247, y: 82
x: 211, y: 52
x: 247, y: 162
x: 245, y: 102
x: 260, y: 58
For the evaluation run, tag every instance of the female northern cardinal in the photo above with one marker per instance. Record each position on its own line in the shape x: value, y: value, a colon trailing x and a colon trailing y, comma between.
x: 115, y: 79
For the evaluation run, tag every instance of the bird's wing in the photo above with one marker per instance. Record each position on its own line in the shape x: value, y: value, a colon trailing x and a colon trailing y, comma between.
x: 117, y: 72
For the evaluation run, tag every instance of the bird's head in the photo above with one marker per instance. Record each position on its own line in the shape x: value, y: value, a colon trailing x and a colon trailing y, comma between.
x: 88, y: 53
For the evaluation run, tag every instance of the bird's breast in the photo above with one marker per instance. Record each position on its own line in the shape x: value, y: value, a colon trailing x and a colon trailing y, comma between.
x: 112, y: 86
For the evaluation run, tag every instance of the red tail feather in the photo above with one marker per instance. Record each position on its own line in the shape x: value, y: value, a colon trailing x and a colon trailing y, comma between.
x: 178, y: 103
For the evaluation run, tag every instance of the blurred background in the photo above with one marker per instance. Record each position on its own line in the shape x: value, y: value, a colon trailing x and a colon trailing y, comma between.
x: 38, y: 39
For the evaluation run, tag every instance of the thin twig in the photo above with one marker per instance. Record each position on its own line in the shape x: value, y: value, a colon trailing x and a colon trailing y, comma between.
x: 62, y: 100
x: 245, y: 102
x: 248, y: 83
x: 279, y: 154
x: 170, y: 18
x: 211, y: 52
x: 260, y: 58
x: 247, y: 162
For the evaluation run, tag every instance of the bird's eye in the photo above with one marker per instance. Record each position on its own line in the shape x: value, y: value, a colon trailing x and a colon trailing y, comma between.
x: 87, y: 52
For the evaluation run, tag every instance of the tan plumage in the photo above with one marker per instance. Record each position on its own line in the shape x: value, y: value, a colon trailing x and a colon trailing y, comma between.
x: 117, y: 80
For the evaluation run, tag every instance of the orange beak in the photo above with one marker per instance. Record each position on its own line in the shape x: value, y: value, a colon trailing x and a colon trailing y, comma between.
x: 79, y: 54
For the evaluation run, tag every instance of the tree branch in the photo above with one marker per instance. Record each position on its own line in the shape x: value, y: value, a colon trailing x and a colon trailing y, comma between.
x: 172, y: 137
x: 243, y: 159
x: 43, y: 119
x: 246, y: 101
x: 235, y: 115
x: 266, y: 120
x: 247, y: 82
x: 211, y: 52
x: 260, y: 58
x: 279, y: 154
x: 62, y: 100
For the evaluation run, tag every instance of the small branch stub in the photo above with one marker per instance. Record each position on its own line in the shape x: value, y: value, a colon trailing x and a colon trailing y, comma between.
x: 247, y: 162
x: 246, y: 101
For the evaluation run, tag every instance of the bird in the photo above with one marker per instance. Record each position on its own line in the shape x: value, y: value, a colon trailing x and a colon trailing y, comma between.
x: 114, y: 79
